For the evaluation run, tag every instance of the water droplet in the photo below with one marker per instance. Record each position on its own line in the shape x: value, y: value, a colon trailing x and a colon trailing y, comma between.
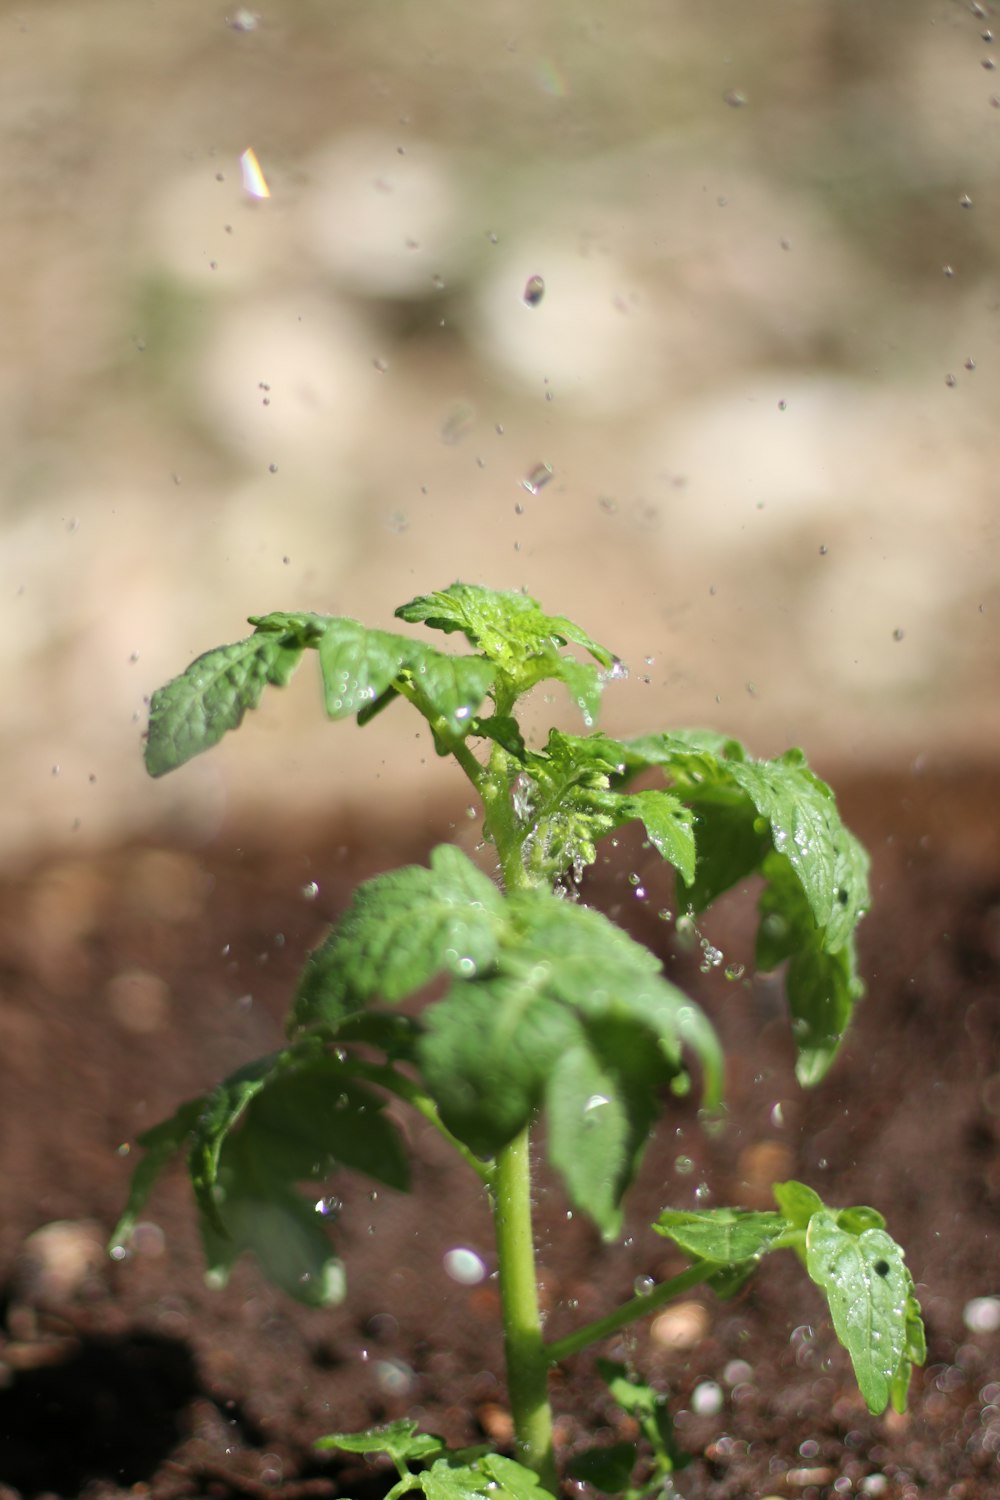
x: 596, y: 1101
x: 898, y: 634
x: 537, y: 478
x: 664, y: 914
x: 683, y: 1166
x: 951, y: 381
x: 965, y: 201
x: 707, y: 1398
x: 643, y: 1285
x: 703, y: 1192
x: 734, y: 98
x: 982, y: 1314
x: 534, y: 290
x: 118, y: 1252
x: 777, y: 1116
x: 735, y: 971
x: 328, y: 1208
x: 394, y: 1377
x: 464, y: 1266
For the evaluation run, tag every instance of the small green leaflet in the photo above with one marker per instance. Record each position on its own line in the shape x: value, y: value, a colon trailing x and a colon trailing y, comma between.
x: 777, y: 818
x: 400, y: 1440
x: 360, y: 668
x: 286, y: 1119
x: 516, y: 636
x: 822, y: 986
x: 195, y: 710
x: 506, y: 627
x: 848, y: 1254
x: 726, y: 1235
x: 872, y: 1303
x: 453, y: 1474
x: 571, y: 806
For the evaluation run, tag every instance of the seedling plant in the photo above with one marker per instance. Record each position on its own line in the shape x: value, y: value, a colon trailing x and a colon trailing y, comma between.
x: 548, y: 1012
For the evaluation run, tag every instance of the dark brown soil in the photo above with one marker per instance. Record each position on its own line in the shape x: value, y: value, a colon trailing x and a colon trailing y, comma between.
x: 134, y: 979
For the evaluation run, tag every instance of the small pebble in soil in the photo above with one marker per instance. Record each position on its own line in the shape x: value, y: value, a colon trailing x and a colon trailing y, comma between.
x: 680, y: 1327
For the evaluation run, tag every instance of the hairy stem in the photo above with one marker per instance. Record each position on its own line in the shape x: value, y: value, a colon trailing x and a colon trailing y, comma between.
x: 526, y: 1356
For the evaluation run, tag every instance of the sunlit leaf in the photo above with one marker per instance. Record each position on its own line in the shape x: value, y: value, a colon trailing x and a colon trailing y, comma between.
x: 401, y: 929
x: 869, y: 1293
x: 726, y: 1235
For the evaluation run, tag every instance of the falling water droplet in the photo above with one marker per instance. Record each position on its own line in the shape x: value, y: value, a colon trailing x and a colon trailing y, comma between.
x: 536, y: 480
x: 534, y: 291
x: 464, y: 1266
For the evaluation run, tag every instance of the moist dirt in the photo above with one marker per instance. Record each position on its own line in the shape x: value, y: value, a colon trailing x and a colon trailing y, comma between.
x: 133, y: 979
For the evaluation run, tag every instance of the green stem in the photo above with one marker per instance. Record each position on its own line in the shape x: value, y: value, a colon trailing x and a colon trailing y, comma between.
x: 527, y: 1359
x: 421, y: 1101
x: 630, y: 1312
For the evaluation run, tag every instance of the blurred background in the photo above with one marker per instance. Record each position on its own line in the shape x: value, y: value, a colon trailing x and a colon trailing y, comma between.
x: 683, y: 317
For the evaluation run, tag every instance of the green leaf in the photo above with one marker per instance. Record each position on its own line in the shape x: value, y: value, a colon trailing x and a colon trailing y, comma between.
x: 798, y: 810
x: 870, y: 1295
x: 573, y: 1011
x: 288, y: 1118
x: 486, y: 1052
x: 570, y: 806
x: 669, y: 825
x: 517, y: 637
x: 514, y: 1479
x: 649, y: 1407
x: 358, y: 665
x: 727, y: 1235
x: 449, y: 689
x: 797, y: 1202
x: 504, y: 731
x: 506, y: 627
x: 591, y: 1141
x: 590, y: 964
x: 160, y: 1145
x: 828, y: 861
x: 732, y: 842
x: 400, y: 1440
x: 401, y: 929
x: 822, y: 987
x: 454, y: 1474
x: 192, y: 712
x: 266, y: 1216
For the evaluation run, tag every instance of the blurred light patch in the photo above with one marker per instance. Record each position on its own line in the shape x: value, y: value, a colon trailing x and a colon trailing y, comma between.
x: 254, y: 181
x: 551, y: 80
